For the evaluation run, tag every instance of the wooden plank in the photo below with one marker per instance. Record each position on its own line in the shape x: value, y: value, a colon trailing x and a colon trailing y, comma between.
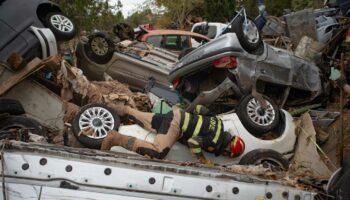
x: 21, y: 75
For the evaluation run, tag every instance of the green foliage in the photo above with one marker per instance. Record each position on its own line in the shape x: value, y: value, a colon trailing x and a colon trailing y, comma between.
x: 92, y: 14
x: 276, y: 8
x: 273, y: 7
x: 141, y: 17
x: 302, y: 4
x: 178, y: 10
x: 219, y: 11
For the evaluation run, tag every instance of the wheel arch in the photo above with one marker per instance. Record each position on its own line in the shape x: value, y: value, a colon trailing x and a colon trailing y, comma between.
x: 45, y: 8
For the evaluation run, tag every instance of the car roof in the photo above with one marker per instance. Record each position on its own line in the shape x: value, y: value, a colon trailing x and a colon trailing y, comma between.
x: 174, y: 32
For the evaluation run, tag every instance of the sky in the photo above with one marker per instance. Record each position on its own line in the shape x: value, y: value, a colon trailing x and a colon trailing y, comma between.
x: 128, y: 6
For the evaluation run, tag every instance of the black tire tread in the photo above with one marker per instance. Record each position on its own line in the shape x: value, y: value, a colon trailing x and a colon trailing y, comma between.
x: 11, y: 106
x: 251, y: 157
x: 24, y: 122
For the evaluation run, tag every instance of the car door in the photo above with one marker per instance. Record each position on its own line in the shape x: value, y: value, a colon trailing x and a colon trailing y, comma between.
x: 11, y: 27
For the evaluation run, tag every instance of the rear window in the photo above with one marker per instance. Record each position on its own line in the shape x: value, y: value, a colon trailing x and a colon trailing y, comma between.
x: 175, y: 42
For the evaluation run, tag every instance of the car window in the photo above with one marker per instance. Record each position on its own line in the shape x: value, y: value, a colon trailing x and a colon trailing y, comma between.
x: 155, y: 40
x: 198, y: 29
x: 212, y: 32
x: 175, y: 42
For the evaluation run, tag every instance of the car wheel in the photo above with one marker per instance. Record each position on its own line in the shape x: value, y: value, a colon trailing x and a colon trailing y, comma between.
x: 100, y: 48
x: 247, y: 33
x: 266, y: 158
x: 11, y: 106
x: 21, y: 122
x: 184, y: 52
x: 100, y: 118
x: 256, y: 119
x: 338, y: 184
x: 62, y: 27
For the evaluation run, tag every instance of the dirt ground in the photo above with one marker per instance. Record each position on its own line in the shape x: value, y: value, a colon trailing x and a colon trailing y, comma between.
x: 332, y: 146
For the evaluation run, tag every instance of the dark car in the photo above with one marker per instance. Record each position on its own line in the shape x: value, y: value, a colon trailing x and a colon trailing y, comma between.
x: 27, y: 26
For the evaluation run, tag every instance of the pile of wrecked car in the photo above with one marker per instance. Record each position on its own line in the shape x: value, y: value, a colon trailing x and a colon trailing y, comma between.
x: 47, y: 102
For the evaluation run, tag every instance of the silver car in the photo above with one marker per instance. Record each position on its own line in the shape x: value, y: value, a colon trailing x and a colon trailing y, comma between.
x: 133, y: 63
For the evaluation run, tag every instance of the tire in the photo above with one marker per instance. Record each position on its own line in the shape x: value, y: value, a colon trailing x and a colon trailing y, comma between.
x: 124, y: 31
x: 339, y: 182
x: 184, y: 52
x: 11, y: 106
x: 23, y: 122
x: 256, y: 119
x: 250, y: 42
x: 266, y: 157
x: 62, y: 27
x: 100, y: 48
x: 79, y: 122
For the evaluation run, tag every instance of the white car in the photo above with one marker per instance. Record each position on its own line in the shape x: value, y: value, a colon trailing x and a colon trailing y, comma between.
x: 257, y: 151
x: 274, y: 150
x: 212, y: 29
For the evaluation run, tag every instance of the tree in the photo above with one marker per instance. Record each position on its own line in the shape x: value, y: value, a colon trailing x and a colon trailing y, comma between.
x: 302, y: 4
x: 92, y: 14
x: 219, y: 11
x: 177, y: 11
x: 273, y: 7
x: 141, y: 17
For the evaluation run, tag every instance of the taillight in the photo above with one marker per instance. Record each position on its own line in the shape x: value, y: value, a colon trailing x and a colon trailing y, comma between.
x: 176, y: 82
x: 226, y: 62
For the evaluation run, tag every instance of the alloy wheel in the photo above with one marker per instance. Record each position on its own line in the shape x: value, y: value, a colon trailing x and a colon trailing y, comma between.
x: 259, y: 115
x: 99, y: 46
x: 99, y: 119
x: 250, y: 31
x: 62, y: 23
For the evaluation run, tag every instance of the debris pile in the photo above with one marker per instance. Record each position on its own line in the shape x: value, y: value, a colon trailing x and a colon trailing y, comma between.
x: 52, y: 93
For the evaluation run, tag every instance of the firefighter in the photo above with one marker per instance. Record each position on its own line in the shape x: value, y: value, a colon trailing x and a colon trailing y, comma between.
x: 197, y: 130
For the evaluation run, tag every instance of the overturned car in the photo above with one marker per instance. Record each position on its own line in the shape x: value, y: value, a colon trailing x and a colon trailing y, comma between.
x: 268, y: 70
x: 130, y: 62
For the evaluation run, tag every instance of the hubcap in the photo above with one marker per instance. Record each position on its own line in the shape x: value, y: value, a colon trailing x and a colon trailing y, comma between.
x: 259, y: 115
x: 61, y: 23
x: 97, y: 122
x: 99, y: 46
x: 97, y: 118
x: 251, y: 32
